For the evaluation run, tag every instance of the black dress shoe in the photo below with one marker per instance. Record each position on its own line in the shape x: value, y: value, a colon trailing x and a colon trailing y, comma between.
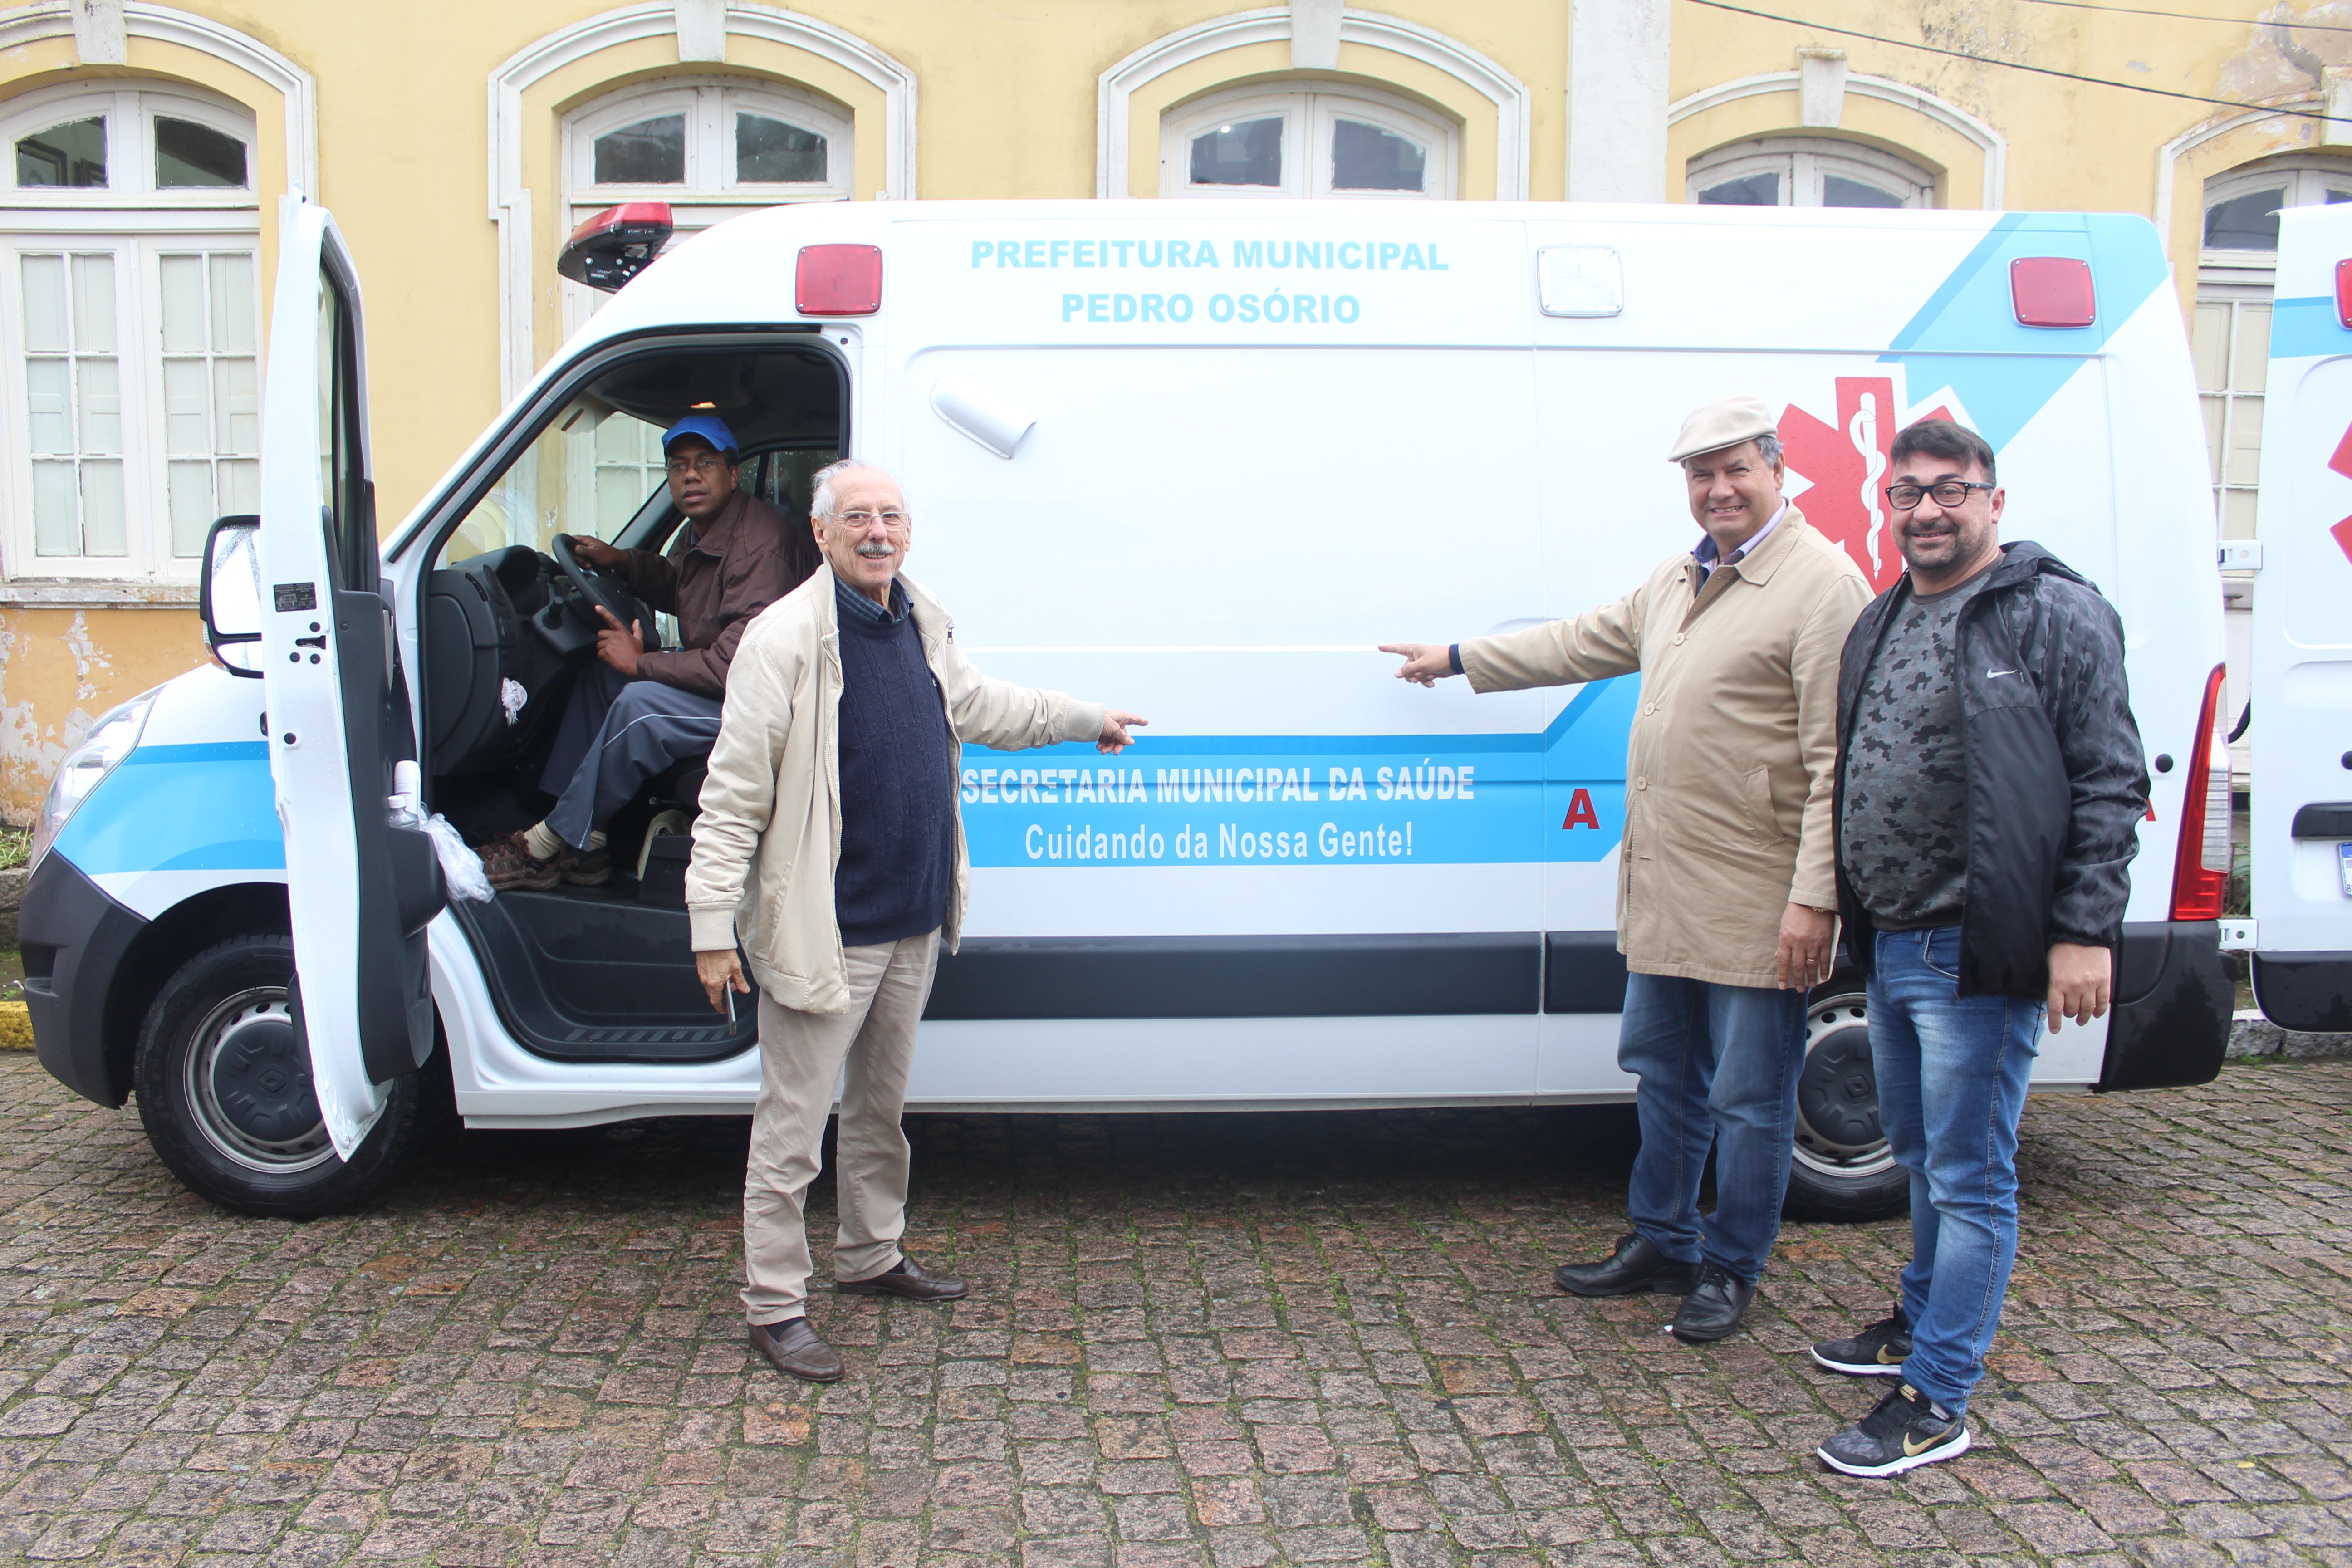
x: 908, y: 1279
x: 1636, y: 1266
x: 1714, y: 1307
x: 797, y: 1350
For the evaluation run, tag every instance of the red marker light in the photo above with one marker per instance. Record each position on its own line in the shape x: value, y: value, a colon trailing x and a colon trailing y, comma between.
x: 2344, y: 292
x: 2201, y: 866
x: 2052, y: 291
x: 839, y: 280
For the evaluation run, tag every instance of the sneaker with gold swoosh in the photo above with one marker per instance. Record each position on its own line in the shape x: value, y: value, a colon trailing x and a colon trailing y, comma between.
x: 1879, y: 1350
x: 1904, y: 1433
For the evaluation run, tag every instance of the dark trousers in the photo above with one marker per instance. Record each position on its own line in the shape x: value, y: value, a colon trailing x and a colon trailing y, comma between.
x: 616, y: 734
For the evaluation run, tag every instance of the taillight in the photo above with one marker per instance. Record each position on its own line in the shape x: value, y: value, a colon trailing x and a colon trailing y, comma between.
x: 2344, y: 292
x: 2202, y: 861
x: 2052, y: 291
x: 838, y: 280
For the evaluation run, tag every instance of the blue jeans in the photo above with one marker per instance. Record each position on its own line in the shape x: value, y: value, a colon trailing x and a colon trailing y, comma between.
x: 1951, y: 1086
x: 1718, y: 1066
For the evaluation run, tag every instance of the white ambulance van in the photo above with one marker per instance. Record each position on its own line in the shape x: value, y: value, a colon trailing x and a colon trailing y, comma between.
x: 1193, y: 458
x: 2302, y: 653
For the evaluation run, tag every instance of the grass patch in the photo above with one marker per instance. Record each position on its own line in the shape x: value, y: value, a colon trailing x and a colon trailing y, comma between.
x: 16, y: 846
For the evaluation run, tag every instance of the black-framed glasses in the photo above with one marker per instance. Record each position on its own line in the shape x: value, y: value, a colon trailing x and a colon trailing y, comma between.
x: 1947, y: 493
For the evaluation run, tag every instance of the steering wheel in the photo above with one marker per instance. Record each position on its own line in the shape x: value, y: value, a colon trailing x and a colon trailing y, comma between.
x: 599, y: 588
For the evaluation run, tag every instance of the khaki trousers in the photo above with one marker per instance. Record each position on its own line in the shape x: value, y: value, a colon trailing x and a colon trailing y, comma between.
x: 802, y: 1057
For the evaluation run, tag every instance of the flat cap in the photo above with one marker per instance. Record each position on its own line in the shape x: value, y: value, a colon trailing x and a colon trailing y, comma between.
x: 1726, y: 421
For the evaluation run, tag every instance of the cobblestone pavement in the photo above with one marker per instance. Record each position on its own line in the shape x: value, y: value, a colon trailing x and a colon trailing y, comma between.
x: 1234, y: 1341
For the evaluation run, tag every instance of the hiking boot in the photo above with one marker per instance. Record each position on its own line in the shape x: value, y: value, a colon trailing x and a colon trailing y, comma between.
x: 1903, y: 1434
x: 585, y: 868
x: 510, y: 864
x: 1879, y: 1350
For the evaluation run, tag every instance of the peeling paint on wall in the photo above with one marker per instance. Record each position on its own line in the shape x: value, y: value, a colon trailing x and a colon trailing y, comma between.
x: 2283, y: 58
x: 60, y: 669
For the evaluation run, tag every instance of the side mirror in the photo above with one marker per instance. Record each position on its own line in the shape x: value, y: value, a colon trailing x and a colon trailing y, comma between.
x: 230, y: 598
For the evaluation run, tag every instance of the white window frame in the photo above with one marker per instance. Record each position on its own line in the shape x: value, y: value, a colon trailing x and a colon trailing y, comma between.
x: 147, y: 525
x: 1804, y: 164
x: 2306, y: 180
x: 139, y: 224
x: 129, y: 161
x: 1310, y: 119
x: 708, y: 104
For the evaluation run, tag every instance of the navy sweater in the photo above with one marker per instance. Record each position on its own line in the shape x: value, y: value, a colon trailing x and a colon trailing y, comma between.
x: 898, y: 801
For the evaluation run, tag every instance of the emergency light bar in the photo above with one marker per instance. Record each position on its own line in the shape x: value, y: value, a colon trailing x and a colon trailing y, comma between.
x: 615, y: 245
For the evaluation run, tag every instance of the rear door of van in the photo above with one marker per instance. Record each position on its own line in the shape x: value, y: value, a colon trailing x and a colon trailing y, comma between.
x: 2301, y: 728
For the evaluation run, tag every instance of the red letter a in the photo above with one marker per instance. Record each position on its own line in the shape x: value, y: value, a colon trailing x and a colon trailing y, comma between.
x: 1580, y: 812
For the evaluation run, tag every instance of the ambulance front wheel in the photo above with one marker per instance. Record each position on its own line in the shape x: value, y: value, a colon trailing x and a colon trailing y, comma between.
x: 224, y: 1091
x: 1842, y: 1168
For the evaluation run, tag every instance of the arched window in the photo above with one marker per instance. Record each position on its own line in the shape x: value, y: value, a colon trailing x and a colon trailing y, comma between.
x: 130, y: 307
x: 1316, y: 144
x: 712, y: 147
x: 1806, y: 171
x: 2231, y: 333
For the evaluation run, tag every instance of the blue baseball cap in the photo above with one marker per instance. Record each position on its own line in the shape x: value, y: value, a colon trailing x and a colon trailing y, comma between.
x: 709, y: 426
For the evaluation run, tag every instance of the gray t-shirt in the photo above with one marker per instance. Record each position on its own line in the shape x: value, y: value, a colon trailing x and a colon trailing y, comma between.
x: 1906, y: 824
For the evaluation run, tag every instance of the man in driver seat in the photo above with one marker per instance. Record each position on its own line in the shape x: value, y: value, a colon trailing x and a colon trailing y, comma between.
x: 633, y: 712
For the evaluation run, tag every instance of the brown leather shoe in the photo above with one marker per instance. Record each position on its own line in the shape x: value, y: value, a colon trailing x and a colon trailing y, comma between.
x: 797, y: 1351
x: 907, y: 1280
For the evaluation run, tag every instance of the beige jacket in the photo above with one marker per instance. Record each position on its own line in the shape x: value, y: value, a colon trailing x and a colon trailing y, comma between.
x: 769, y: 838
x: 1733, y: 756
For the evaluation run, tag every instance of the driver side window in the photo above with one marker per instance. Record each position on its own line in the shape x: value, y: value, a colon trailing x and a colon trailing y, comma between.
x: 590, y: 471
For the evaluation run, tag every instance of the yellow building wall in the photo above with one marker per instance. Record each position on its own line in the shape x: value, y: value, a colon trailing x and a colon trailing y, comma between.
x: 60, y: 669
x: 1007, y: 99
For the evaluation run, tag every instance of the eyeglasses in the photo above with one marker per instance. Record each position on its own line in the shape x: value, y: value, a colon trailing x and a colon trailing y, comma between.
x: 893, y: 520
x: 1947, y: 493
x: 706, y: 465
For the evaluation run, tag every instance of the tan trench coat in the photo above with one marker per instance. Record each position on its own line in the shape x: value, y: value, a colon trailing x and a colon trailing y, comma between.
x: 769, y: 838
x: 1733, y: 756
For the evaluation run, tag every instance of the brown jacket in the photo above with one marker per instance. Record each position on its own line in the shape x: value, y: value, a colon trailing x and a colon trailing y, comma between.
x: 739, y: 567
x: 1731, y: 762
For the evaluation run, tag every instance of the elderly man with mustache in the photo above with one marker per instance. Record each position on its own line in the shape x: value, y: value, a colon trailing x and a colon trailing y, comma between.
x: 830, y: 844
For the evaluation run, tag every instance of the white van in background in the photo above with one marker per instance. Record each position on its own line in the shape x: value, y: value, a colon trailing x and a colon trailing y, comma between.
x: 2302, y: 730
x: 1197, y: 458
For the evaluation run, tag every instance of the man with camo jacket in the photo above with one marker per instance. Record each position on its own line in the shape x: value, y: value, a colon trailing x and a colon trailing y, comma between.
x: 1990, y: 789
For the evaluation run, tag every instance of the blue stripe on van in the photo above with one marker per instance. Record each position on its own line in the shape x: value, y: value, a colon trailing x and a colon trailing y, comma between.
x: 1967, y: 338
x: 2303, y: 328
x: 181, y: 808
x: 1232, y: 800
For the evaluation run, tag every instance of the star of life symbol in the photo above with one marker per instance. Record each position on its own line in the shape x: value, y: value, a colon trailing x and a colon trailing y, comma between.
x: 1845, y: 465
x: 2342, y: 463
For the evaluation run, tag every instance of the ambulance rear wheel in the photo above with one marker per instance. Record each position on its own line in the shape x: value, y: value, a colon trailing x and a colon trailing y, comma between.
x: 1842, y: 1168
x: 224, y: 1091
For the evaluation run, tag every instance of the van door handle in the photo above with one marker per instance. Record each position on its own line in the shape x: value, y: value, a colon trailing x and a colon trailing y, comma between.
x: 2323, y: 819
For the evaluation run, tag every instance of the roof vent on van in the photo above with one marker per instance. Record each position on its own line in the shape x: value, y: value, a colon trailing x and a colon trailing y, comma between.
x: 839, y: 280
x: 2052, y: 292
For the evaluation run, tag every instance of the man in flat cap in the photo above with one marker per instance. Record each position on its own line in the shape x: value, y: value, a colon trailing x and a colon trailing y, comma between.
x: 1727, y: 886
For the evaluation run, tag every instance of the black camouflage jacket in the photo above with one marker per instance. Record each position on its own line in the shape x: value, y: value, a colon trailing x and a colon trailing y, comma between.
x: 2056, y: 782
